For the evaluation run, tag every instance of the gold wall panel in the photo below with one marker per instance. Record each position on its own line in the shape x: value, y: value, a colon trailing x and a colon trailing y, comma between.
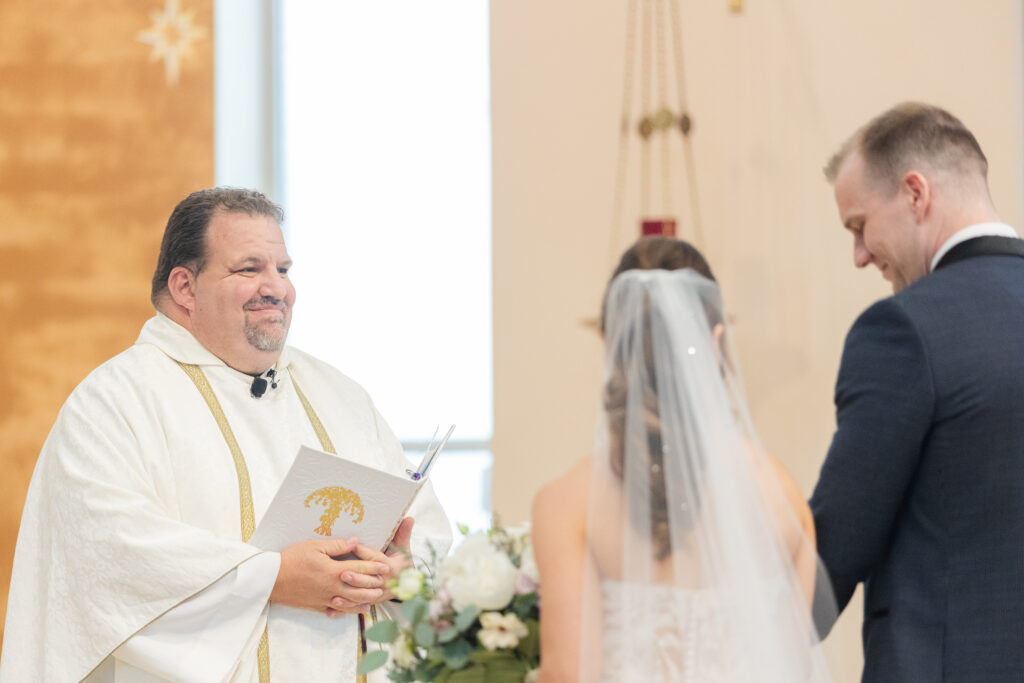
x: 101, y: 134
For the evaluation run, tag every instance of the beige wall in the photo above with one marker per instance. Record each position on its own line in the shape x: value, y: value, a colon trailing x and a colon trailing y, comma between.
x: 773, y: 91
x: 96, y: 147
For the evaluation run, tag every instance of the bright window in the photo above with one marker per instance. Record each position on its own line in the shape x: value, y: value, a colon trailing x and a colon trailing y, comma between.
x: 384, y: 172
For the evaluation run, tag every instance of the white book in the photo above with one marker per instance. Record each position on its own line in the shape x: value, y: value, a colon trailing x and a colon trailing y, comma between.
x: 326, y: 496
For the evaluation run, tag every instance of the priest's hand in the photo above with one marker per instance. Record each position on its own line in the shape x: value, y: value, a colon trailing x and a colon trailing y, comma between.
x: 398, y: 555
x: 310, y: 578
x: 397, y: 558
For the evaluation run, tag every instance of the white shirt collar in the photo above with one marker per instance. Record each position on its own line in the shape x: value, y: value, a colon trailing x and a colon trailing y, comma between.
x: 179, y: 344
x: 970, y: 232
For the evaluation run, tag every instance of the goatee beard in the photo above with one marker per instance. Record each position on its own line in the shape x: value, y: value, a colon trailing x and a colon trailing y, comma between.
x: 262, y: 340
x: 259, y: 338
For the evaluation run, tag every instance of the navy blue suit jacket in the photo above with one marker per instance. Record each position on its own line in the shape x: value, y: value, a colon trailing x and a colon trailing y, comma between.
x: 921, y: 495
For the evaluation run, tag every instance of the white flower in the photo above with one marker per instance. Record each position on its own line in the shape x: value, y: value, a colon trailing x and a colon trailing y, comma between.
x: 409, y: 584
x: 531, y: 676
x: 500, y: 630
x: 528, y: 565
x: 403, y: 654
x: 478, y: 574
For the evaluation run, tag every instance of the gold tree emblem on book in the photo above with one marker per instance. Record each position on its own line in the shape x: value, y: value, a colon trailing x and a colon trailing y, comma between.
x: 335, y: 499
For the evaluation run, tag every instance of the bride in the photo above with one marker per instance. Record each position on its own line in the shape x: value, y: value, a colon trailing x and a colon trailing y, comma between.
x: 680, y: 551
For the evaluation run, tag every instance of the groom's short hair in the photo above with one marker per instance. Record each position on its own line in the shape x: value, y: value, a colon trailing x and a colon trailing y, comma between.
x: 909, y: 134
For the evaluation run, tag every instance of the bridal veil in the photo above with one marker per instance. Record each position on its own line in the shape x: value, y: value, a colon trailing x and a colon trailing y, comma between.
x: 703, y: 569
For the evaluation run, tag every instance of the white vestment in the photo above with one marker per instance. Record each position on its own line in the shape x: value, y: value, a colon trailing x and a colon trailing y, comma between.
x: 133, y: 512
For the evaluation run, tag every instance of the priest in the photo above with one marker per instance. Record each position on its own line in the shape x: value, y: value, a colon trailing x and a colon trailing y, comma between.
x: 132, y: 561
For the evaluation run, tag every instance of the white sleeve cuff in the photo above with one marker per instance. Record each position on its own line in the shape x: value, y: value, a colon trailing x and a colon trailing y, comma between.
x: 205, y: 637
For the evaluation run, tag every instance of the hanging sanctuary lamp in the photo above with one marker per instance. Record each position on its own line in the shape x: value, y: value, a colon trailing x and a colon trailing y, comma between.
x: 661, y: 129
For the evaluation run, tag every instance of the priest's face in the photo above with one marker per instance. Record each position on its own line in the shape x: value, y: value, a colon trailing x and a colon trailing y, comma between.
x: 243, y: 297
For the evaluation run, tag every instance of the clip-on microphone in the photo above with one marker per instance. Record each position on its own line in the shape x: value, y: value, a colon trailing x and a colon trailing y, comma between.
x: 259, y: 385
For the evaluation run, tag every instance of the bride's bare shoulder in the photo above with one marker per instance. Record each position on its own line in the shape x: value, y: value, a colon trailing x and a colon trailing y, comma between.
x: 565, y: 496
x: 573, y: 480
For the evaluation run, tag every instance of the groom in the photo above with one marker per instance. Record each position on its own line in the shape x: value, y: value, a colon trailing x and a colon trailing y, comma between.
x: 921, y: 496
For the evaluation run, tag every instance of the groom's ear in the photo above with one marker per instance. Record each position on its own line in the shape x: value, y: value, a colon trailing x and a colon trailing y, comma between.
x: 918, y: 191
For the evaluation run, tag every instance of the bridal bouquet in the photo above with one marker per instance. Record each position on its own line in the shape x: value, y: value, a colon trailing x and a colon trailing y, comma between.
x: 469, y: 618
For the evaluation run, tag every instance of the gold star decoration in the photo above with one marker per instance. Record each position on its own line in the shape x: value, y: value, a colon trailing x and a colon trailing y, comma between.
x: 172, y: 36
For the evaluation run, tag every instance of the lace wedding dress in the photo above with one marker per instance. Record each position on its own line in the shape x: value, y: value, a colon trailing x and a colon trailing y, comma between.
x: 690, y: 655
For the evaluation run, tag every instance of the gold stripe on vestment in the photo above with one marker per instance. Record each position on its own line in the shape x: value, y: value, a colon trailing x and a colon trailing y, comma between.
x: 248, y: 516
x: 328, y: 445
x: 318, y: 426
x: 247, y: 513
x: 245, y: 491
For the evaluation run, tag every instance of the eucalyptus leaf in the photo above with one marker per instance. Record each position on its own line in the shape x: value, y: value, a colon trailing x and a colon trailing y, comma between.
x: 524, y: 604
x: 414, y: 610
x: 401, y: 676
x: 383, y: 632
x: 448, y: 635
x: 374, y: 659
x: 456, y: 655
x: 426, y: 672
x: 424, y: 634
x: 466, y: 618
